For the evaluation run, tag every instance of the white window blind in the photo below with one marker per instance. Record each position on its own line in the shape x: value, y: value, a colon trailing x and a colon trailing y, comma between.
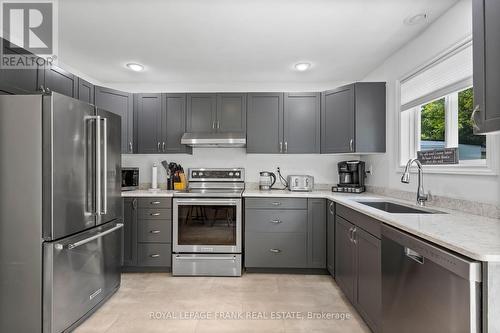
x: 449, y: 73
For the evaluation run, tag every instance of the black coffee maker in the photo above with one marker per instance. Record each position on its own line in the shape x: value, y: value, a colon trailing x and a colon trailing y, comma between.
x: 351, y: 177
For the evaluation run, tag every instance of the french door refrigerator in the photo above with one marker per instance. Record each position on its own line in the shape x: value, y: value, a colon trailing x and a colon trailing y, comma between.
x: 60, y: 211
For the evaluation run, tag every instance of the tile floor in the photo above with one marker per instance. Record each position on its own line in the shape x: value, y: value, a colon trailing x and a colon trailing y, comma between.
x: 213, y: 304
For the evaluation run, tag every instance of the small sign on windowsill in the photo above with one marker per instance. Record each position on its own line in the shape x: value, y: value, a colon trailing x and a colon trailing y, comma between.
x: 438, y: 156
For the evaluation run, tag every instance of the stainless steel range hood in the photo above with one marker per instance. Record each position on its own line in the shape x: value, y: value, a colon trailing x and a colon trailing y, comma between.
x: 214, y: 140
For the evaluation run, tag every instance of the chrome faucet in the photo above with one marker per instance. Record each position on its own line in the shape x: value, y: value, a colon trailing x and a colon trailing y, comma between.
x: 421, y: 196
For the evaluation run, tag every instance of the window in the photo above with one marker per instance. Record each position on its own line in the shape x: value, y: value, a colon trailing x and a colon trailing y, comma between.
x: 436, y: 106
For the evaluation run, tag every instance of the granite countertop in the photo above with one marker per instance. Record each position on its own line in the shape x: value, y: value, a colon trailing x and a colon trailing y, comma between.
x: 473, y: 236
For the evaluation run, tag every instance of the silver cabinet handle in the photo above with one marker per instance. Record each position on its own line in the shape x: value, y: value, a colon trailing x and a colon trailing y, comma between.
x: 330, y: 207
x: 351, y: 144
x: 134, y: 203
x: 350, y: 234
x: 130, y: 146
x: 473, y: 118
x: 276, y: 203
x: 87, y: 240
x: 159, y: 147
x: 276, y: 221
x: 213, y: 124
x: 163, y: 146
x: 155, y: 202
x: 286, y: 146
x: 354, y: 235
x: 218, y: 124
x: 275, y: 250
x: 414, y: 255
x: 156, y: 255
x: 155, y: 214
x: 155, y: 231
x: 281, y: 147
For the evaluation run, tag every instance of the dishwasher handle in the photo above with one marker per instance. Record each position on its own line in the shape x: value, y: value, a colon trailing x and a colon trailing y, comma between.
x: 414, y: 255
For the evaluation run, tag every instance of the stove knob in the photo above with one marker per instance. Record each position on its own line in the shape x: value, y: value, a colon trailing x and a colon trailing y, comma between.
x: 200, y: 173
x: 237, y: 174
x: 230, y: 174
x: 194, y: 173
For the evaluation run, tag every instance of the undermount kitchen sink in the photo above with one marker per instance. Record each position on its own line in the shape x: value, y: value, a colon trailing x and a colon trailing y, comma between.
x: 394, y: 208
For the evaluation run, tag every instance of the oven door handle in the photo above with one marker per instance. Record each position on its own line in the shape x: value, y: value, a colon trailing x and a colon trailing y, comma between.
x: 205, y: 258
x: 206, y: 202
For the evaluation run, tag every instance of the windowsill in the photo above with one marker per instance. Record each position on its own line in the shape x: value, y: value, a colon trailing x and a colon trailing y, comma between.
x: 457, y: 169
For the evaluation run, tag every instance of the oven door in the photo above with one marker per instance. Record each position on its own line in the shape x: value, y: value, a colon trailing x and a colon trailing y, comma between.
x: 202, y: 225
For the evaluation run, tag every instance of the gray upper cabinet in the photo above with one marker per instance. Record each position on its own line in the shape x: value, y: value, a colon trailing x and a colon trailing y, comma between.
x: 149, y: 123
x: 231, y: 112
x: 301, y: 134
x: 174, y: 123
x: 85, y: 91
x: 330, y: 238
x: 316, y: 233
x: 486, y: 50
x: 120, y: 103
x: 353, y: 118
x: 201, y: 112
x: 16, y: 81
x: 58, y: 80
x: 265, y: 123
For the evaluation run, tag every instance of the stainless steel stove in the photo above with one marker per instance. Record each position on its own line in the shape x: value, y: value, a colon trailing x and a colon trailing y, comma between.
x: 207, y: 223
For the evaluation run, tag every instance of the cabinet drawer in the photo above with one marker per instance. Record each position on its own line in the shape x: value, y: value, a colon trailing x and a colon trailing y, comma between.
x: 276, y: 220
x: 276, y: 203
x: 154, y: 254
x: 154, y: 202
x: 154, y: 214
x: 154, y: 231
x: 366, y: 222
x: 275, y: 250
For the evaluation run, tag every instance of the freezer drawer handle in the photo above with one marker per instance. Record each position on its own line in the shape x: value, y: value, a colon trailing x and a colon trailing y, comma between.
x: 414, y: 255
x: 87, y: 240
x: 205, y: 258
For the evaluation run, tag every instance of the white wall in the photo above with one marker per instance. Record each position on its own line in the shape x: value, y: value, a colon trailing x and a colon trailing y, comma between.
x: 322, y: 167
x: 454, y: 26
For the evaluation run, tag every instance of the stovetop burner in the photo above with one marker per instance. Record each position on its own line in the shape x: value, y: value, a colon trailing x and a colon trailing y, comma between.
x: 214, y: 183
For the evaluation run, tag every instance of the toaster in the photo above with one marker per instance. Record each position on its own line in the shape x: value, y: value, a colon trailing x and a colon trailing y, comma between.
x: 300, y: 183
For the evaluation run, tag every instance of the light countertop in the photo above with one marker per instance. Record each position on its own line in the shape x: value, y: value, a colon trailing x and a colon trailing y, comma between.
x: 474, y: 236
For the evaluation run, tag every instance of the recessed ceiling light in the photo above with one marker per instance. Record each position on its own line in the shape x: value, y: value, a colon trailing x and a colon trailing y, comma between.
x: 302, y: 66
x: 135, y: 67
x: 416, y: 19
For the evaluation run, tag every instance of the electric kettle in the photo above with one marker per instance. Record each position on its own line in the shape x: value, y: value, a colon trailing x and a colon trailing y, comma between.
x: 266, y: 180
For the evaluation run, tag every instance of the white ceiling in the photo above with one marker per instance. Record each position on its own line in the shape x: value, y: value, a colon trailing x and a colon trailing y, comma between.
x: 234, y: 44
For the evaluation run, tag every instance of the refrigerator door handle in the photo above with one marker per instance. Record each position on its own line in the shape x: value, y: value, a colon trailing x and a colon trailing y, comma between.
x: 98, y: 166
x: 105, y: 167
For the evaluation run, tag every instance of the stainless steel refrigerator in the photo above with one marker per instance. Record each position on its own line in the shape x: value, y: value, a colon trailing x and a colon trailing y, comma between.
x: 61, y: 213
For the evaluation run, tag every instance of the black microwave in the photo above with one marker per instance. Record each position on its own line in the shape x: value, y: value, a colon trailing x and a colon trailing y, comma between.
x: 130, y: 179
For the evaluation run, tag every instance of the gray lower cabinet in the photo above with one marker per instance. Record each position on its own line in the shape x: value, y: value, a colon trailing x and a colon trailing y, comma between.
x: 147, y: 233
x: 265, y: 123
x: 358, y: 263
x: 301, y: 123
x: 353, y: 118
x: 330, y: 237
x: 85, y: 91
x: 120, y: 103
x: 285, y: 233
x: 486, y: 49
x: 57, y: 79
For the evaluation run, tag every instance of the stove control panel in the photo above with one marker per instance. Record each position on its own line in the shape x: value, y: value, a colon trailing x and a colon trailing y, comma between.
x: 206, y: 175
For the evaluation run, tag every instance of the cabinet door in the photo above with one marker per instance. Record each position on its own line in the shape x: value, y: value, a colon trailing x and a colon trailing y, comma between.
x: 368, y: 291
x: 337, y: 120
x: 149, y: 123
x: 120, y: 103
x: 344, y: 257
x: 85, y: 91
x: 265, y: 123
x: 58, y: 80
x: 231, y: 112
x: 130, y: 232
x: 330, y: 238
x: 201, y: 112
x: 16, y: 81
x: 174, y: 123
x: 486, y: 49
x: 316, y: 233
x: 302, y: 123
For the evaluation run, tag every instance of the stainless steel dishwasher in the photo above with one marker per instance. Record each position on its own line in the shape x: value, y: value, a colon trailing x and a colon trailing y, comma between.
x: 426, y: 288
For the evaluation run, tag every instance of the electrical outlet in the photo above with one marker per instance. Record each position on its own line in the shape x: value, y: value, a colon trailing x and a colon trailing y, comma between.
x: 370, y: 170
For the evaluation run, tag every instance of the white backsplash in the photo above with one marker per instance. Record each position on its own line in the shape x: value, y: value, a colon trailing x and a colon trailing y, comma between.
x: 322, y: 167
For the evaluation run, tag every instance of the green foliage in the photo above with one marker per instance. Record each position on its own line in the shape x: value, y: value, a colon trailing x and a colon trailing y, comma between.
x: 465, y: 130
x: 432, y: 121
